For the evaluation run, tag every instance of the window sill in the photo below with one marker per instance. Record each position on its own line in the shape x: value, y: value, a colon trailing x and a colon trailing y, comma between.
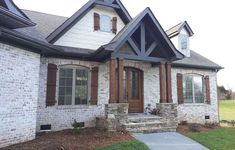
x: 194, y: 104
x: 75, y: 106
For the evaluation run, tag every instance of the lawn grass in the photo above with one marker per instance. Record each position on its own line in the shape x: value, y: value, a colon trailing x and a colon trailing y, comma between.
x: 128, y: 145
x: 217, y: 139
x: 227, y: 109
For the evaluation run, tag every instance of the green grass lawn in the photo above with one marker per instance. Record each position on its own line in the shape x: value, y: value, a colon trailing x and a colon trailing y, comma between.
x: 217, y: 139
x: 129, y: 145
x: 227, y: 110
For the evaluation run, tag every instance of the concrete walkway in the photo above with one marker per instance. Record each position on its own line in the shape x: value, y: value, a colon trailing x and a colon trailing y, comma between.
x: 168, y: 141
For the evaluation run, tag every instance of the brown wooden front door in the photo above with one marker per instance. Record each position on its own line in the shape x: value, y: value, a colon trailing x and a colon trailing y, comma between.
x: 133, y: 89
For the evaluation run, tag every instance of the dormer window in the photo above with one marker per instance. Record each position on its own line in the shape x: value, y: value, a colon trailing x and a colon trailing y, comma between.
x: 105, y: 23
x: 184, y: 45
x: 184, y: 42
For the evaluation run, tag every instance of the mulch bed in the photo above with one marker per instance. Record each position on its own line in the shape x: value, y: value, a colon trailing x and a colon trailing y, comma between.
x: 185, y: 129
x: 85, y: 139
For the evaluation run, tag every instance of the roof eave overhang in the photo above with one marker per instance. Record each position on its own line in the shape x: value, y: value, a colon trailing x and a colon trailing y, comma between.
x: 13, y: 21
x: 31, y: 44
x: 214, y: 68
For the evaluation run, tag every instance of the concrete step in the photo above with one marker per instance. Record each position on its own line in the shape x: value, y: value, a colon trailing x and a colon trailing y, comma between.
x: 152, y: 130
x: 146, y: 118
x: 142, y: 123
x: 155, y: 123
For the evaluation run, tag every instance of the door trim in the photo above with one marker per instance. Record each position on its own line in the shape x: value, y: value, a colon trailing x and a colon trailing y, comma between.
x: 141, y: 82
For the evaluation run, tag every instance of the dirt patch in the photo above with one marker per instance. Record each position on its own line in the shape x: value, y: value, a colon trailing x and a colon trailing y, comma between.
x: 86, y: 139
x: 185, y: 129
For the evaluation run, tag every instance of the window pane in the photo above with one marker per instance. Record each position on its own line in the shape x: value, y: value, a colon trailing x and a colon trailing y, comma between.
x: 188, y: 89
x: 105, y: 23
x: 81, y: 86
x: 198, y: 90
x: 184, y: 42
x: 65, y: 86
x: 134, y: 77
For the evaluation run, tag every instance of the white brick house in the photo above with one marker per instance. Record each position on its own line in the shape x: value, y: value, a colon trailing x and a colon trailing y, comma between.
x: 55, y: 70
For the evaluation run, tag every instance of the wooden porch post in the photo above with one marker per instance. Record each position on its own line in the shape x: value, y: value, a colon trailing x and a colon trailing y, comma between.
x: 120, y: 81
x: 112, y: 81
x: 163, y: 92
x: 168, y: 83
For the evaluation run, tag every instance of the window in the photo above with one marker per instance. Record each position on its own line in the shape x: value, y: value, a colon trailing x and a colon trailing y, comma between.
x: 193, y: 89
x: 184, y: 42
x: 105, y: 23
x: 73, y: 86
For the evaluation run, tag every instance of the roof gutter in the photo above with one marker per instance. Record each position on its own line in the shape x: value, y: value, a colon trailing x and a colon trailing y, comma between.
x: 197, y: 66
x: 18, y: 38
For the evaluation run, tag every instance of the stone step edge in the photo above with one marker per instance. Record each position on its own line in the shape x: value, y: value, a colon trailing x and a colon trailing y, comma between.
x: 152, y: 130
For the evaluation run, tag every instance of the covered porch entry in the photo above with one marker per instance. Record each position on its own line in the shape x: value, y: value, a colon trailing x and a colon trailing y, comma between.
x: 141, y: 40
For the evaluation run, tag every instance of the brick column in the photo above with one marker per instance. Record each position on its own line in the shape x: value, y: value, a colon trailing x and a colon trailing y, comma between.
x: 112, y: 81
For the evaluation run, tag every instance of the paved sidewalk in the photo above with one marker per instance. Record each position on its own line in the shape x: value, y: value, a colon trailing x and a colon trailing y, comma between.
x: 168, y: 141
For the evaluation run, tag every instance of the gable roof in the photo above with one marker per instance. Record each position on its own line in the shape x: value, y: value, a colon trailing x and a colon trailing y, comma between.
x: 116, y: 4
x: 174, y: 31
x: 121, y: 37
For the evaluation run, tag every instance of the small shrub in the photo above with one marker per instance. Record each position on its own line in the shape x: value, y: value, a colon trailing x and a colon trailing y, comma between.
x: 155, y: 111
x: 104, y: 130
x: 184, y: 123
x: 194, y: 127
x: 77, y: 126
x: 211, y: 125
x: 231, y: 123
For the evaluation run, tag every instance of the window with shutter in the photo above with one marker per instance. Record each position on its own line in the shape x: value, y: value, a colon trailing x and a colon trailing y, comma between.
x: 192, y: 89
x: 105, y: 23
x: 73, y: 85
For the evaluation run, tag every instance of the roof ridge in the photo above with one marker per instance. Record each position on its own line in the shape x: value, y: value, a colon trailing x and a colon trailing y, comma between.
x: 43, y: 13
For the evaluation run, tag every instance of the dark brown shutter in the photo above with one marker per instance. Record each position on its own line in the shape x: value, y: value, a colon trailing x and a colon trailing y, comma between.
x: 96, y: 21
x: 94, y: 85
x: 207, y: 86
x: 114, y: 25
x: 180, y: 88
x: 51, y: 84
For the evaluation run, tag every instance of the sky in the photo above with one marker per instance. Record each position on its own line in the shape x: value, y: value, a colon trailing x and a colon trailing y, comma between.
x: 212, y: 21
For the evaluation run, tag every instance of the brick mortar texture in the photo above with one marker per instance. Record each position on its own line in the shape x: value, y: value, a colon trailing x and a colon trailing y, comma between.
x: 19, y: 72
x: 195, y: 113
x: 61, y: 117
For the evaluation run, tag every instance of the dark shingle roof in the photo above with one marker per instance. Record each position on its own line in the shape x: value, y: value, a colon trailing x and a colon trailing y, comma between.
x: 175, y: 30
x: 197, y: 61
x: 46, y: 23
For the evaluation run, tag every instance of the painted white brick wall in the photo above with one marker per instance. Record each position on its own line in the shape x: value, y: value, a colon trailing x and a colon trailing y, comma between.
x: 19, y: 73
x: 82, y: 34
x: 195, y: 113
x: 61, y: 117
